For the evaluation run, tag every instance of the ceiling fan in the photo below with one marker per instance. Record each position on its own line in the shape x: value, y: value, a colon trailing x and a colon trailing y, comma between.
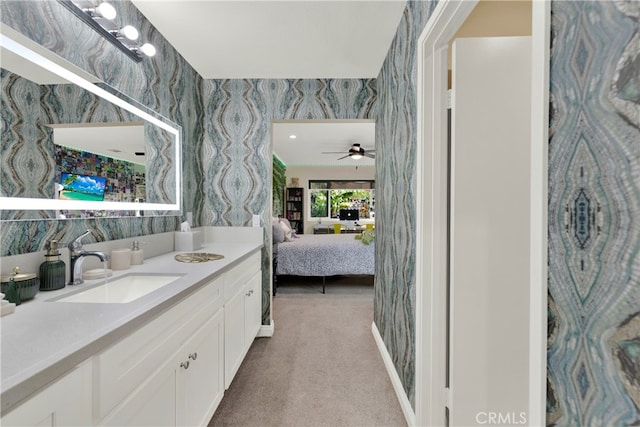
x: 355, y: 152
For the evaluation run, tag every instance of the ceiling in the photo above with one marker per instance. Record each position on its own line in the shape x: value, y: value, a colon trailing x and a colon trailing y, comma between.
x: 278, y: 39
x: 315, y: 137
x: 115, y: 140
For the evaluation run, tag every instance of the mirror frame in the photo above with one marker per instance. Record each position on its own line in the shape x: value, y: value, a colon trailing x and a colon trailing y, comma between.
x: 25, y: 203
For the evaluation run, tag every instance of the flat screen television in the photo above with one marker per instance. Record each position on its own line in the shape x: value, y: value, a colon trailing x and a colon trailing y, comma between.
x: 82, y: 187
x: 349, y: 214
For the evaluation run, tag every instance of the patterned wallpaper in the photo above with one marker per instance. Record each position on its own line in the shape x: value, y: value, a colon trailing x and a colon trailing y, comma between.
x: 235, y: 155
x: 594, y: 215
x: 26, y: 154
x: 165, y: 83
x: 278, y: 185
x: 394, y: 303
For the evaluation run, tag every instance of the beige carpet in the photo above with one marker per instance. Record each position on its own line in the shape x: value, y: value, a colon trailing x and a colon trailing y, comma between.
x: 321, y: 367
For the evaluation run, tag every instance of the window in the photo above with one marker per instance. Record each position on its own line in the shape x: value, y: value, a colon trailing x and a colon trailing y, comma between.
x: 328, y: 197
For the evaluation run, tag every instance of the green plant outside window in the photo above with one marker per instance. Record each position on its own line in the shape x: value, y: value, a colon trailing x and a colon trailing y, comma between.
x: 323, y: 201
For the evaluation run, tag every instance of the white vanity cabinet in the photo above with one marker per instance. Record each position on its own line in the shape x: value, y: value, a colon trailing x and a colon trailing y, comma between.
x: 66, y: 402
x: 184, y: 391
x: 242, y: 313
x: 171, y: 371
x: 173, y: 363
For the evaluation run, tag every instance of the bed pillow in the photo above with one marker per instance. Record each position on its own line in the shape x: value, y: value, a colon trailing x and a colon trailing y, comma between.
x: 287, y: 231
x: 286, y: 221
x: 278, y: 232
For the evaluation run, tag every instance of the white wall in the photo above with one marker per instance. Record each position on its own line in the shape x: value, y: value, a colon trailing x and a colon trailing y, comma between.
x: 306, y: 173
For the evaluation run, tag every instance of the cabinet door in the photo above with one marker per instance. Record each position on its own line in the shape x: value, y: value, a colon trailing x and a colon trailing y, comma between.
x: 125, y: 366
x: 233, y: 336
x: 153, y: 404
x: 253, y: 309
x: 67, y: 402
x: 201, y: 383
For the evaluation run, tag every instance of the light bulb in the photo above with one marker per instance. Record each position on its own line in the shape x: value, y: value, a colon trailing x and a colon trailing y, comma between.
x: 129, y: 32
x: 356, y: 156
x: 104, y: 10
x: 148, y: 49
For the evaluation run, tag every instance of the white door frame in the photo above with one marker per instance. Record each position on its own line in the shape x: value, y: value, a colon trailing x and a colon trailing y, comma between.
x: 431, y: 210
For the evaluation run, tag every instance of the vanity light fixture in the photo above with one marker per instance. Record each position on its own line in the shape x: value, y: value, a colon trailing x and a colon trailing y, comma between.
x: 100, y: 19
x: 103, y: 10
x: 148, y: 49
x: 128, y: 32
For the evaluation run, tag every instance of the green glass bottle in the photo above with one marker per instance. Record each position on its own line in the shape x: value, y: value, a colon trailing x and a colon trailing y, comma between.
x: 52, y: 270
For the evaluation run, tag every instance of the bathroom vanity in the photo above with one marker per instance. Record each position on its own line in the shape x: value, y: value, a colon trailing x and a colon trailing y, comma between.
x: 164, y: 358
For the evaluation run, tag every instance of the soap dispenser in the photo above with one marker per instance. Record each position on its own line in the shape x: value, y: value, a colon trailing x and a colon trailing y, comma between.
x: 137, y: 254
x: 52, y: 270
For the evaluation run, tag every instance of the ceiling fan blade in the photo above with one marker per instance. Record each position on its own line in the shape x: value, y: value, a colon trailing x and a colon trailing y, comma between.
x: 343, y: 157
x: 368, y: 154
x: 332, y: 152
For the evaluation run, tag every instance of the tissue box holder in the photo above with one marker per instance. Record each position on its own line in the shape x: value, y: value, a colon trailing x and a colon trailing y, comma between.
x: 187, y: 240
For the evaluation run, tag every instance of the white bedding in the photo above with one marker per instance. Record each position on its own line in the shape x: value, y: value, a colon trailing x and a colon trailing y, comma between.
x: 325, y: 255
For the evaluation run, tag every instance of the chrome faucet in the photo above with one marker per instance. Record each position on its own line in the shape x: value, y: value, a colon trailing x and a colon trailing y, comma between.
x: 78, y: 254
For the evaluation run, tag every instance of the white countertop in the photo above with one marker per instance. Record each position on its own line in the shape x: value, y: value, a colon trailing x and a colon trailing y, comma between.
x: 44, y: 339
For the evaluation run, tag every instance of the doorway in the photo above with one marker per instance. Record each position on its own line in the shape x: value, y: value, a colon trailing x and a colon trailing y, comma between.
x: 318, y: 159
x: 432, y: 396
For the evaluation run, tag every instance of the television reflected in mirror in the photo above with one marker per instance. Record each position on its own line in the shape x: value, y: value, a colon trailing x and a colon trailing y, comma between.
x: 60, y: 122
x: 81, y: 187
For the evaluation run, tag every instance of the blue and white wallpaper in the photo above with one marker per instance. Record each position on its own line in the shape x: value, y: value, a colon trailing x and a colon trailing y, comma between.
x: 395, y: 293
x: 594, y: 215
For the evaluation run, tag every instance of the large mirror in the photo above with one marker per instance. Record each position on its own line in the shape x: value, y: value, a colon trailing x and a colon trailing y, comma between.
x: 74, y: 147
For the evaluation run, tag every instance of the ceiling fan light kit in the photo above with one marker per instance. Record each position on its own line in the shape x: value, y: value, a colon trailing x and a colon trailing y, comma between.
x: 356, y: 152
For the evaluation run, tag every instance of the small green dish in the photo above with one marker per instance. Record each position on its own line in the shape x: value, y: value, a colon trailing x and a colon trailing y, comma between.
x: 27, y: 284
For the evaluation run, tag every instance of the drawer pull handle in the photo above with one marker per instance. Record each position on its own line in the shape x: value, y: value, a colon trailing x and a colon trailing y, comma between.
x: 185, y: 364
x: 193, y: 356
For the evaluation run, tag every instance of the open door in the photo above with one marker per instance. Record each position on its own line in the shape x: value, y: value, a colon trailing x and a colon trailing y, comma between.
x: 490, y: 231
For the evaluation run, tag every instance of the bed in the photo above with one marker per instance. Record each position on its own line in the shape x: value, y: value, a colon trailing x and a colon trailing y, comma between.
x: 322, y: 255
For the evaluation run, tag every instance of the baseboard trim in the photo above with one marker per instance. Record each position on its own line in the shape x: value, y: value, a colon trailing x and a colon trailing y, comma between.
x: 407, y: 410
x: 266, y: 330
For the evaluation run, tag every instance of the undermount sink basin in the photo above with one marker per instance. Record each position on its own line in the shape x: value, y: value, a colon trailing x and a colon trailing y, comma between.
x: 122, y: 289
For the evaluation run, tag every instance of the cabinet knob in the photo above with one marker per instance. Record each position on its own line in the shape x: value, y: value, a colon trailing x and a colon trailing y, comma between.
x: 193, y: 356
x: 185, y: 364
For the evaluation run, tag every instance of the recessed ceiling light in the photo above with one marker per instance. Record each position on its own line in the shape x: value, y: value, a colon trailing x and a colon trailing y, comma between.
x: 292, y: 136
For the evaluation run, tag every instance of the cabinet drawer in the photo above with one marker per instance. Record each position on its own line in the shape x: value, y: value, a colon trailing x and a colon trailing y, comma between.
x: 127, y: 364
x: 237, y: 277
